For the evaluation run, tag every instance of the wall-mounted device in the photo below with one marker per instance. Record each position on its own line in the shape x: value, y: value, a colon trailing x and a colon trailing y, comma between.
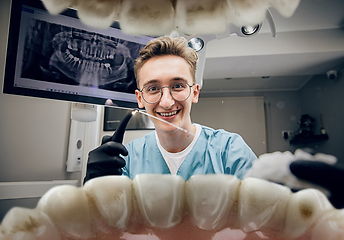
x: 332, y: 74
x: 76, y: 146
x: 81, y: 114
x: 287, y: 134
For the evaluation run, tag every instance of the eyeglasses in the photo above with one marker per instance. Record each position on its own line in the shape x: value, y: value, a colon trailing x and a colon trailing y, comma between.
x: 180, y: 91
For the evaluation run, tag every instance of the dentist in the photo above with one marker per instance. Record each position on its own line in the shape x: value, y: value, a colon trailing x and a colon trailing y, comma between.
x: 165, y: 74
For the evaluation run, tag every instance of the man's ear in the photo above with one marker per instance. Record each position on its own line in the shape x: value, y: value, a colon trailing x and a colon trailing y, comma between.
x: 139, y: 98
x: 195, y: 93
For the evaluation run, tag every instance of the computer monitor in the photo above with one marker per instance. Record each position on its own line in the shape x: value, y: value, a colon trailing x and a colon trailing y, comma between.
x: 58, y: 57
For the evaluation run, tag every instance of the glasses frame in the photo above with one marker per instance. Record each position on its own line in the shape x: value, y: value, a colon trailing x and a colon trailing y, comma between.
x: 161, y: 92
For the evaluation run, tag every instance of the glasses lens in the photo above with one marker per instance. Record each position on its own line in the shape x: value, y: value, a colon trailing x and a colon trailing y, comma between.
x: 180, y: 91
x: 151, y: 93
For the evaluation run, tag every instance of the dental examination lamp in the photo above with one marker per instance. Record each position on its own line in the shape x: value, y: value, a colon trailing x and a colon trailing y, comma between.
x: 249, y: 31
x: 197, y: 43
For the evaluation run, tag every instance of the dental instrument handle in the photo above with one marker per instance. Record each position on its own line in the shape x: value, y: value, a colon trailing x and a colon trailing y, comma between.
x: 119, y: 134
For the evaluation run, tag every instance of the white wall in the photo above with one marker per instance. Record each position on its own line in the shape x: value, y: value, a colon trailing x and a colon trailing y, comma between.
x: 242, y: 115
x: 34, y: 132
x: 282, y: 112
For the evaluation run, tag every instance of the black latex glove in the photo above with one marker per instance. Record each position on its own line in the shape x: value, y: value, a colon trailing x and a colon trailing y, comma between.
x: 330, y: 177
x: 105, y: 159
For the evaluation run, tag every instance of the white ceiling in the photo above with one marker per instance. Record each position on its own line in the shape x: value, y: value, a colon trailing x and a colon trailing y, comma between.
x: 311, y: 42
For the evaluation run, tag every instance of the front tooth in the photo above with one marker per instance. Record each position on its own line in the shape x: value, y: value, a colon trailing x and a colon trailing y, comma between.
x: 148, y: 17
x: 112, y: 198
x: 28, y: 224
x: 210, y: 198
x: 305, y: 207
x: 57, y: 6
x: 330, y: 226
x: 160, y: 199
x: 99, y: 14
x: 201, y: 17
x: 263, y: 205
x: 68, y: 208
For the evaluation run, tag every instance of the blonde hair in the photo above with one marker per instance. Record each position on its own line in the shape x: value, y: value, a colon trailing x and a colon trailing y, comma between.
x: 167, y: 46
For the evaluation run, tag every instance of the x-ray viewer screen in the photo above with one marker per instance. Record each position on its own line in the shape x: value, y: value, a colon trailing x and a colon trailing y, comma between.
x: 60, y: 56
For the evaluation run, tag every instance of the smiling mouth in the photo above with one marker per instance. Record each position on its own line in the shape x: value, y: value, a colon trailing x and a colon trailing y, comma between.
x: 169, y: 114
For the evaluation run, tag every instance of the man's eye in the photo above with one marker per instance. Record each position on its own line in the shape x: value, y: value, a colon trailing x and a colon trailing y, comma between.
x: 178, y: 86
x: 152, y: 89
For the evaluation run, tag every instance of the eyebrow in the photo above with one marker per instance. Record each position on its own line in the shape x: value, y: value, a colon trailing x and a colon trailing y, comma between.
x: 178, y: 79
x: 155, y: 81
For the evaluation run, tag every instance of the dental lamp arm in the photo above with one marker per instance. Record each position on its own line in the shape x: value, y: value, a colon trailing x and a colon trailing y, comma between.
x: 106, y: 160
x: 330, y: 177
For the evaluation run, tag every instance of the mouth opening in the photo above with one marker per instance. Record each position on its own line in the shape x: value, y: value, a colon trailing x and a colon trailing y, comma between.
x: 169, y: 114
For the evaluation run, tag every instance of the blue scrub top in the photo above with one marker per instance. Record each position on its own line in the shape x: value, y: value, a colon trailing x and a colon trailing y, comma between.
x: 215, y: 151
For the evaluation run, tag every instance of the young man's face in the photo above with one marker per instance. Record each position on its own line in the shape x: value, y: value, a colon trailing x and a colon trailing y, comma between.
x: 164, y: 71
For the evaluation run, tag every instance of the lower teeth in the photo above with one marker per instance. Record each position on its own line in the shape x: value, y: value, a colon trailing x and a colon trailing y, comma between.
x: 170, y: 206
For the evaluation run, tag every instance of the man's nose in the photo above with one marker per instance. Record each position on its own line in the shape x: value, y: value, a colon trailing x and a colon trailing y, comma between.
x: 166, y: 100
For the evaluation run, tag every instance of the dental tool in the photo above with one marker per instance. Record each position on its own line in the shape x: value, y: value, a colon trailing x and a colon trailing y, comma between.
x: 134, y: 111
x: 119, y: 134
x: 184, y: 130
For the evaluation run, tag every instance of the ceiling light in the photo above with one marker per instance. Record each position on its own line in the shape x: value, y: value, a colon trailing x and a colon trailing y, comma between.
x: 245, y: 31
x: 249, y: 30
x: 196, y: 44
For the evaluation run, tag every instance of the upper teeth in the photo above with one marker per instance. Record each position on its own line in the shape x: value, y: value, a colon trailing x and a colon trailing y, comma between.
x: 168, y: 114
x: 160, y: 17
